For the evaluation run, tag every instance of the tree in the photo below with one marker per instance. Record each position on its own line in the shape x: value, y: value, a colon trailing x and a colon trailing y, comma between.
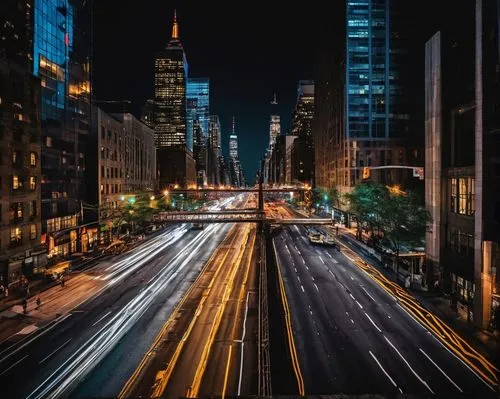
x: 404, y: 221
x: 365, y: 202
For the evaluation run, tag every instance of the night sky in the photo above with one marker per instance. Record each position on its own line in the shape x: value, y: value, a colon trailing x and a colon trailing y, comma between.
x: 248, y: 52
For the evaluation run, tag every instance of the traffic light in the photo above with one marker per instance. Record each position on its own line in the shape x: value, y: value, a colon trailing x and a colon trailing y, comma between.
x: 366, y: 172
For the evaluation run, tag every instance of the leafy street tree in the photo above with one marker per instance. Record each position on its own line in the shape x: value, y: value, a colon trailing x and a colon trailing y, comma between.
x: 398, y: 215
x: 366, y: 203
x: 404, y: 221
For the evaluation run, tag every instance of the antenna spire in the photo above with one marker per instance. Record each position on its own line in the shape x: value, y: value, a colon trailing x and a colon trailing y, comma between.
x: 175, y: 27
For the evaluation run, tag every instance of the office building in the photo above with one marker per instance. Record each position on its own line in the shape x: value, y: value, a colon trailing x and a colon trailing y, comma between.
x: 373, y: 93
x: 139, y: 154
x: 462, y: 169
x: 174, y: 152
x: 235, y: 170
x: 274, y: 129
x: 20, y: 174
x: 125, y: 159
x: 148, y: 113
x: 214, y: 151
x: 303, y: 114
x: 198, y: 118
x: 171, y: 70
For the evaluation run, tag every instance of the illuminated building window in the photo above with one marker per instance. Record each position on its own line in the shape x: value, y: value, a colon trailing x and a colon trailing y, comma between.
x: 15, y: 235
x: 32, y: 158
x: 48, y: 141
x: 16, y: 182
x: 32, y: 183
x: 32, y: 231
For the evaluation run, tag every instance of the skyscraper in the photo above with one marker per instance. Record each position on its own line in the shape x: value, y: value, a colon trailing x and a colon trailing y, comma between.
x: 303, y: 113
x: 175, y: 162
x: 61, y: 58
x: 274, y: 129
x: 214, y: 151
x: 375, y: 122
x: 234, y: 160
x: 198, y: 106
x: 171, y: 70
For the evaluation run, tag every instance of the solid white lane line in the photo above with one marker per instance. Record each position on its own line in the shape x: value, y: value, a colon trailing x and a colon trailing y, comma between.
x: 385, y: 372
x: 352, y: 296
x: 369, y: 318
x: 424, y: 383
x: 439, y: 368
x: 321, y: 259
x: 107, y: 314
x: 367, y: 293
x: 51, y: 353
x: 315, y: 286
x: 243, y: 344
x: 14, y: 364
x: 301, y: 286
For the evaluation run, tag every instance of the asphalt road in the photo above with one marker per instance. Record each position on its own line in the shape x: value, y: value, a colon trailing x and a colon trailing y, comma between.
x: 92, y: 347
x: 353, y: 337
x: 208, y: 344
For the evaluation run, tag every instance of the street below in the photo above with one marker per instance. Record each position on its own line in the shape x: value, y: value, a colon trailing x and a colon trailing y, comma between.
x: 88, y: 336
x: 352, y: 335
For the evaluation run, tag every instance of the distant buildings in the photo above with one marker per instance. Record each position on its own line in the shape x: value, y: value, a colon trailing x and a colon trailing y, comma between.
x: 235, y: 170
x: 148, y: 113
x: 462, y: 167
x: 214, y: 151
x: 198, y: 118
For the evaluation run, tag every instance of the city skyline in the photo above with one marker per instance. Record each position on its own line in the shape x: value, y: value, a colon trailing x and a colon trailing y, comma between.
x: 310, y: 209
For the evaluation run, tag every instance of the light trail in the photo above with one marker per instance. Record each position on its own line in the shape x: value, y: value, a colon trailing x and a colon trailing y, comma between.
x: 446, y: 336
x: 288, y: 321
x: 85, y: 358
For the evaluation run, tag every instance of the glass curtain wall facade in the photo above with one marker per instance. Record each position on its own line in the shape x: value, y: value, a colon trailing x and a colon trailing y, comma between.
x: 368, y: 92
x: 61, y: 59
x: 198, y: 107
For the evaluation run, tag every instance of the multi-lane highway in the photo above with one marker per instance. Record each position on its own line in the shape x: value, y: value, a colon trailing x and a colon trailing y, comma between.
x: 208, y: 346
x: 105, y: 319
x: 351, y: 334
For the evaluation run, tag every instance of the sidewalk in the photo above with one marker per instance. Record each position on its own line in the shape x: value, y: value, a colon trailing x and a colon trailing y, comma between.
x: 485, y: 341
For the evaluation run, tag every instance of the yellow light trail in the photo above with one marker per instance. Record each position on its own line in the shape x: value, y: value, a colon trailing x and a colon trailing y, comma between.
x: 200, y: 370
x: 163, y: 376
x: 227, y: 371
x: 446, y: 335
x: 129, y: 385
x: 288, y: 321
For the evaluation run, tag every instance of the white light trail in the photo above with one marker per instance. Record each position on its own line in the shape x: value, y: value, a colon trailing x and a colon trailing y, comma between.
x: 85, y: 358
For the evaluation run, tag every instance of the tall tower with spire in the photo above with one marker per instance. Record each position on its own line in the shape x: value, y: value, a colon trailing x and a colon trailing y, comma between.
x: 234, y: 159
x: 171, y: 71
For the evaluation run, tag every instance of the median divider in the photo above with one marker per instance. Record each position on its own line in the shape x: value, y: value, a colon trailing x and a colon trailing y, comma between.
x: 288, y: 321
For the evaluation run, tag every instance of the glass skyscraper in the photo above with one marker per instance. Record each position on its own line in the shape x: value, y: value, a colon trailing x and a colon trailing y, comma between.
x: 61, y: 59
x: 198, y: 105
